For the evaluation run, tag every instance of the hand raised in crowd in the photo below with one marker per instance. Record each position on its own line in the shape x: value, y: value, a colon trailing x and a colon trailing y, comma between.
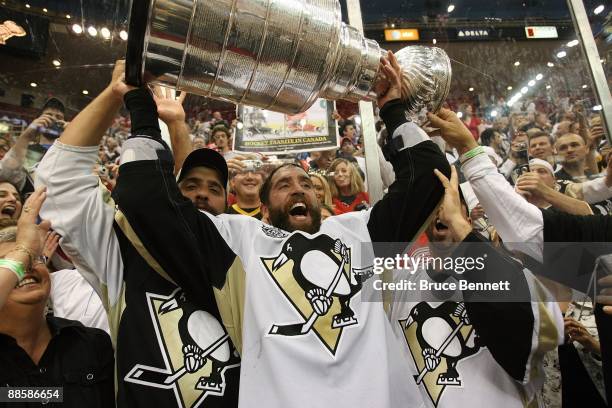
x: 577, y: 332
x: 450, y: 213
x: 530, y: 184
x: 452, y: 130
x: 392, y: 72
x: 235, y: 164
x: 51, y: 244
x: 169, y: 108
x: 30, y: 235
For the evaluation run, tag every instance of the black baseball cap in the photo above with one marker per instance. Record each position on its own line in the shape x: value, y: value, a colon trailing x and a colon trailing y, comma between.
x: 204, y: 158
x: 54, y: 103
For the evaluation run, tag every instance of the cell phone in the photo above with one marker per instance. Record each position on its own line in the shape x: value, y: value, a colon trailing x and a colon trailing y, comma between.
x: 251, y: 165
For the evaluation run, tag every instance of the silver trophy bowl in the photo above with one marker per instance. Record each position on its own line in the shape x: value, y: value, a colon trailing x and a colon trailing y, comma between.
x: 279, y: 55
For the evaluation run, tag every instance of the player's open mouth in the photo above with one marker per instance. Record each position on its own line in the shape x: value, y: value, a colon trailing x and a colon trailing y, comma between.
x: 299, y: 211
x: 440, y: 226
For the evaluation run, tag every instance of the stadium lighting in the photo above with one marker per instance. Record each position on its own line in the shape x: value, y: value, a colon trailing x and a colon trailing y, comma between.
x: 493, y: 113
x: 597, y: 108
x: 524, y: 90
x: 539, y: 77
x: 550, y: 65
x: 77, y: 29
x: 561, y: 54
x: 471, y: 89
x: 33, y: 84
x: 509, y: 88
x: 548, y: 86
x: 68, y: 16
x: 585, y: 86
x: 124, y: 35
x: 450, y: 8
x: 27, y: 6
x: 85, y: 92
x: 531, y: 83
x: 435, y: 41
x: 517, y: 63
x: 599, y: 9
x: 92, y: 31
x: 45, y: 10
x: 105, y: 32
x: 572, y: 43
x: 56, y: 63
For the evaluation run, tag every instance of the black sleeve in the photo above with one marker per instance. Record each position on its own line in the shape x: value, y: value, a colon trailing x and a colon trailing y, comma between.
x: 416, y: 192
x: 563, y: 227
x: 183, y: 240
x: 504, y: 327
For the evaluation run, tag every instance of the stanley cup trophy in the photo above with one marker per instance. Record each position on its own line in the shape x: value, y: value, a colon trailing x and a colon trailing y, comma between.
x: 279, y: 55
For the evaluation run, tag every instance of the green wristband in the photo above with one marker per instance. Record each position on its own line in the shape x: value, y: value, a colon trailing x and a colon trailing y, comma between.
x: 15, y: 266
x: 472, y: 153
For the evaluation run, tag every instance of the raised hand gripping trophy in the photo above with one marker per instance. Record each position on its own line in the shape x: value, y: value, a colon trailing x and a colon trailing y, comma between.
x: 279, y: 55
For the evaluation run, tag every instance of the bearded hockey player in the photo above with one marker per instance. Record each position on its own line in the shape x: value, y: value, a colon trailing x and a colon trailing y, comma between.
x: 308, y: 339
x: 473, y: 354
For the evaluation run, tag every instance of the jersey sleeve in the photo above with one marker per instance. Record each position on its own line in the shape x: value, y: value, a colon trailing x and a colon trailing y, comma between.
x: 82, y: 211
x: 403, y: 213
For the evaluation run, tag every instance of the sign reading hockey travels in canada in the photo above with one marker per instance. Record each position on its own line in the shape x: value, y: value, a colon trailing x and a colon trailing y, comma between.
x: 267, y: 132
x: 402, y: 34
x: 541, y: 32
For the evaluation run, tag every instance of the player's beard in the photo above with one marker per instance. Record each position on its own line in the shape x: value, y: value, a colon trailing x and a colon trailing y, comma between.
x: 280, y: 219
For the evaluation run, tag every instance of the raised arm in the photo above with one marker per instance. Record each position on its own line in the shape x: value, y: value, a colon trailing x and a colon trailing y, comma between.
x: 78, y: 206
x: 516, y: 221
x: 402, y: 214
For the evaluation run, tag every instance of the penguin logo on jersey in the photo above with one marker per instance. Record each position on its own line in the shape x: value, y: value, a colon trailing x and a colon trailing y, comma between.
x: 195, y: 347
x: 438, y: 339
x: 315, y: 275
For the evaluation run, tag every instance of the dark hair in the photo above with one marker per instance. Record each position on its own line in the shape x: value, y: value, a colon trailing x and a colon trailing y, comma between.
x: 487, y: 136
x: 264, y: 191
x: 54, y: 103
x: 541, y: 134
x: 345, y: 124
x: 220, y: 128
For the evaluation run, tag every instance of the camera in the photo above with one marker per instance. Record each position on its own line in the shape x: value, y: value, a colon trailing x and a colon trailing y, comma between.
x: 251, y: 165
x: 55, y: 130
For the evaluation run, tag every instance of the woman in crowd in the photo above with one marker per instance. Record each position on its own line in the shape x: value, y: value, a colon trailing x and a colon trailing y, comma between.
x: 321, y: 189
x: 469, y: 119
x: 347, y: 188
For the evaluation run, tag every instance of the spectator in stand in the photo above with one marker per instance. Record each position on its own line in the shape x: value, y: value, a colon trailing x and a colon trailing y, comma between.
x: 518, y: 154
x: 469, y: 119
x: 198, y: 142
x: 10, y: 201
x: 245, y: 184
x: 221, y: 137
x: 49, y: 125
x: 348, y: 131
x: 38, y: 350
x: 348, y: 191
x: 322, y: 160
x: 573, y: 151
x: 542, y: 122
x: 347, y: 148
x: 561, y: 128
x: 541, y: 147
x: 217, y: 120
x: 540, y: 189
x: 322, y: 191
x: 492, y: 138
